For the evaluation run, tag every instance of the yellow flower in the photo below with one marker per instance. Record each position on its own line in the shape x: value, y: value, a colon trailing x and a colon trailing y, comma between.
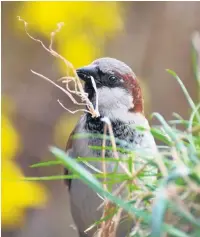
x: 81, y: 44
x: 17, y: 194
x: 87, y: 25
x: 10, y: 139
x: 82, y: 38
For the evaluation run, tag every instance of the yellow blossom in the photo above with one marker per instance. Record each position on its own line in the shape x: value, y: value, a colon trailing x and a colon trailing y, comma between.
x: 87, y: 26
x: 17, y: 194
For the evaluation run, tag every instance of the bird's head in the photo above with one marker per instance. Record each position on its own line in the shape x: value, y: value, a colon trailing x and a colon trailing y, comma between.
x: 117, y: 86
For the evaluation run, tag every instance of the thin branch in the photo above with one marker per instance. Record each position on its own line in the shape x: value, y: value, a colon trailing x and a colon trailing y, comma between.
x: 116, y: 221
x: 81, y: 93
x: 62, y: 89
x: 115, y: 153
x: 103, y: 156
x: 115, y: 193
x: 97, y: 96
x: 75, y: 111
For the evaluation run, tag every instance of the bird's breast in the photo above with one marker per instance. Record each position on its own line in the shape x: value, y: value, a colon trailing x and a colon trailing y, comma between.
x: 84, y: 201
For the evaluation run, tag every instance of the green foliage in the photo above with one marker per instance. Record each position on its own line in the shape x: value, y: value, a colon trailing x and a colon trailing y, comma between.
x: 170, y: 198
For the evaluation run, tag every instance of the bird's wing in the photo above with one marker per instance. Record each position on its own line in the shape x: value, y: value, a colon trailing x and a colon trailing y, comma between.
x: 70, y: 146
x: 67, y: 149
x: 148, y: 145
x: 147, y: 142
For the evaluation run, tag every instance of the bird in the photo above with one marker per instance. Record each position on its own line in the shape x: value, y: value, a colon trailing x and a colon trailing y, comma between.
x: 120, y: 99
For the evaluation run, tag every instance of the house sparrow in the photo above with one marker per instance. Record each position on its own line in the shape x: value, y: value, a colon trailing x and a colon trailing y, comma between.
x: 120, y: 99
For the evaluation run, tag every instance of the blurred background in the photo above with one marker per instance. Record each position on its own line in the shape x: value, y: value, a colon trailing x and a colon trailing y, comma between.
x: 148, y: 36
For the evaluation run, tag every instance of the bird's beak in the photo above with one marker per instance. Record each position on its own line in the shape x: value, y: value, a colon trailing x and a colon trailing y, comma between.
x: 85, y: 73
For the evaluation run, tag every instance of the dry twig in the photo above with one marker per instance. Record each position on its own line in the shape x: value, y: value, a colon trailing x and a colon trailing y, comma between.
x: 79, y: 91
x: 115, y: 153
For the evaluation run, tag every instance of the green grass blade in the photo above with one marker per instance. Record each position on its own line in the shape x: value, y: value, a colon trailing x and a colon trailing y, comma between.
x: 51, y: 178
x: 182, y: 122
x: 161, y: 201
x: 169, y: 131
x: 191, y: 120
x: 189, y: 99
x: 194, y: 64
x: 46, y: 163
x: 174, y: 231
x: 93, y: 183
x: 177, y: 116
x: 185, y: 214
x: 196, y: 56
x: 111, y: 177
x: 158, y: 212
x: 160, y: 136
x: 110, y: 148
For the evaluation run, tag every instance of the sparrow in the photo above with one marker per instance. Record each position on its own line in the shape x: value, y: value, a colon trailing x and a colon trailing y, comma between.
x: 120, y: 99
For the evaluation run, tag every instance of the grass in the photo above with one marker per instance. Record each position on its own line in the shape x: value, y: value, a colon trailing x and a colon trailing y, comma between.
x: 166, y: 185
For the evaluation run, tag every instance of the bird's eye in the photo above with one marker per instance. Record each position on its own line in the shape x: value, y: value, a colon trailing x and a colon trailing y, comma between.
x: 112, y: 78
